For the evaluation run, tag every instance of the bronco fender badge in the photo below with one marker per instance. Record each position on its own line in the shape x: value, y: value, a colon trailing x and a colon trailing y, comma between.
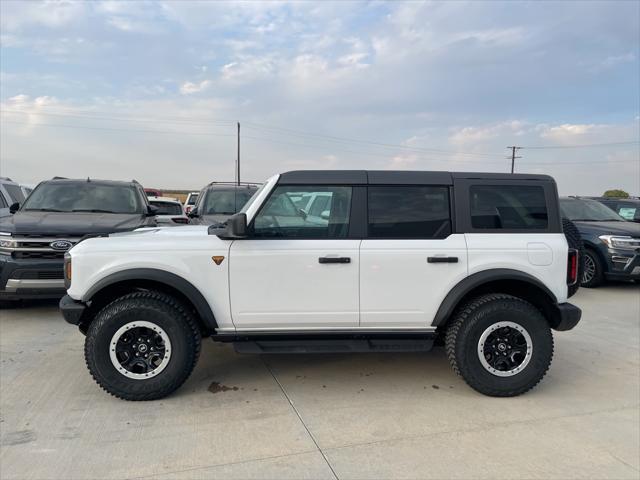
x: 217, y: 259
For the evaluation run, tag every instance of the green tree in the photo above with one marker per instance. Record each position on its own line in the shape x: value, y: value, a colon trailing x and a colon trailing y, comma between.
x: 616, y: 193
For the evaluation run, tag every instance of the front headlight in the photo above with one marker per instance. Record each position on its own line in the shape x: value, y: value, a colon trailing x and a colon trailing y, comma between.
x: 622, y: 242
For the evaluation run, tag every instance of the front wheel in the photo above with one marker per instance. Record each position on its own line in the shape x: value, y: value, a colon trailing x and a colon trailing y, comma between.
x: 501, y: 345
x: 142, y: 346
x: 593, y: 274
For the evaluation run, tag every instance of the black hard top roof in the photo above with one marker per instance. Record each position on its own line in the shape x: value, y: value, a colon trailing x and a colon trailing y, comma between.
x: 395, y: 177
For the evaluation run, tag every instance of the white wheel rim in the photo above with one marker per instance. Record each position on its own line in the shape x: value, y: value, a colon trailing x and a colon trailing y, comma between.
x: 526, y: 354
x: 122, y: 369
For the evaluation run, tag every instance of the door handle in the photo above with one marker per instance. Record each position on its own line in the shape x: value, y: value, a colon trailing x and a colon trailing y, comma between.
x: 442, y: 259
x: 334, y: 260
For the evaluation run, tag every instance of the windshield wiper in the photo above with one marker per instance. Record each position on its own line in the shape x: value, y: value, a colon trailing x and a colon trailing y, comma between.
x: 43, y: 210
x: 92, y: 210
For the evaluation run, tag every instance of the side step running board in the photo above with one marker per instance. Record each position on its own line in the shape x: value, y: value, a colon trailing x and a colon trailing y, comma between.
x: 334, y: 345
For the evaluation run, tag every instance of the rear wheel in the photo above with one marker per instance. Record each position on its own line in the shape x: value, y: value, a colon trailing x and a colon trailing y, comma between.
x: 593, y: 273
x: 142, y: 346
x: 501, y: 345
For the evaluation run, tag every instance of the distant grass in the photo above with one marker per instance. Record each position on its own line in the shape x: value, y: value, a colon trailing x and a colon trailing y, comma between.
x: 181, y: 195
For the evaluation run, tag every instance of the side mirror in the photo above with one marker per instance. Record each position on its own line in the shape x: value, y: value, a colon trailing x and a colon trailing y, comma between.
x: 152, y: 210
x: 325, y: 215
x: 193, y: 213
x: 237, y: 226
x: 14, y: 207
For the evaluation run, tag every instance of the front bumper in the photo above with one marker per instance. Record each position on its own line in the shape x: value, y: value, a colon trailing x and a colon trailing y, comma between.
x: 30, y: 278
x: 72, y: 310
x: 568, y: 316
x: 623, y: 264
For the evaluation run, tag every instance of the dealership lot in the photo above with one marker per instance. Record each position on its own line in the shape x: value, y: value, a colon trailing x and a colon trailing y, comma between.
x: 325, y: 416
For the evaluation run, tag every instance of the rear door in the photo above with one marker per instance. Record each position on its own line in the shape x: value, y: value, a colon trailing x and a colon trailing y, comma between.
x: 297, y: 271
x: 410, y: 259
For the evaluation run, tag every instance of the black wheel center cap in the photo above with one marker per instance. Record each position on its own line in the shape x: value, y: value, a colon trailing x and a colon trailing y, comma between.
x: 502, y: 347
x: 142, y: 348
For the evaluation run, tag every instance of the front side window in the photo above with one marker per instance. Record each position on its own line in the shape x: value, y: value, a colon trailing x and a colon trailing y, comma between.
x: 15, y: 192
x: 409, y: 212
x: 508, y: 207
x: 84, y: 197
x: 281, y: 215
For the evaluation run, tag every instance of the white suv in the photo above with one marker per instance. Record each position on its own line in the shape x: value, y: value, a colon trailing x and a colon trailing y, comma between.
x: 397, y: 262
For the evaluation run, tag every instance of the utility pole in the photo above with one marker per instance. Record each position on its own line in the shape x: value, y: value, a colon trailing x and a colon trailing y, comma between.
x: 513, y: 156
x: 238, y: 159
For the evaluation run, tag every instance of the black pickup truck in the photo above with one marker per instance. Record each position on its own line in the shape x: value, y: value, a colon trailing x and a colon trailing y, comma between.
x: 58, y: 213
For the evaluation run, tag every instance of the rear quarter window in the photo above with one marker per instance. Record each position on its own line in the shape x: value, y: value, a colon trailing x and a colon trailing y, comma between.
x: 508, y: 207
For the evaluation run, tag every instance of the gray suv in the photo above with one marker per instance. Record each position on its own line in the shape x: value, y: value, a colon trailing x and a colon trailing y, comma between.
x: 219, y: 201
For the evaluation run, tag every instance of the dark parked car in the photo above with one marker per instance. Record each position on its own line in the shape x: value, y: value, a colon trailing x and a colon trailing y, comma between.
x: 612, y: 244
x: 55, y: 216
x: 627, y: 208
x: 218, y: 201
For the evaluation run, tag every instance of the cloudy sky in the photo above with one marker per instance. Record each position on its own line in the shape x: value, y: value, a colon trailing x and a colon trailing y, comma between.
x: 152, y: 90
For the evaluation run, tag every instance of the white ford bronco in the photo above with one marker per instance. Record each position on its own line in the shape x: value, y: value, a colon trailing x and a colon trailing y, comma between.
x: 393, y: 261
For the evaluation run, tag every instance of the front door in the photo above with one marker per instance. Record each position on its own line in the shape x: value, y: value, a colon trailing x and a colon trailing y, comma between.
x: 410, y: 259
x: 297, y: 270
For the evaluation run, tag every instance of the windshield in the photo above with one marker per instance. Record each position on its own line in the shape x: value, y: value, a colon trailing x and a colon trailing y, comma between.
x: 225, y: 202
x: 587, y: 210
x: 84, y: 197
x: 167, y: 208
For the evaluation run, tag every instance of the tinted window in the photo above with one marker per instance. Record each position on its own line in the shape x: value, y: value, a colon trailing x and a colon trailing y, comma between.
x: 224, y: 202
x: 15, y: 192
x: 509, y: 207
x: 3, y: 203
x: 409, y: 212
x: 167, y: 208
x: 84, y: 197
x: 193, y: 198
x: 281, y: 217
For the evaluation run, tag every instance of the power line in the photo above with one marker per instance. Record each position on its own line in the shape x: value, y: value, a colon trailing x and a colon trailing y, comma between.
x: 366, y: 142
x: 117, y: 129
x: 119, y: 119
x: 64, y: 110
x: 540, y: 147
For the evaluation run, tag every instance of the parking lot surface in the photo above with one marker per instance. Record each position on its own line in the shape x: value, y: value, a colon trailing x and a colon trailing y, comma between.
x: 325, y: 416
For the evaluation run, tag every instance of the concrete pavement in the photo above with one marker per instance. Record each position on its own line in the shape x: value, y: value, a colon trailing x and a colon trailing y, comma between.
x: 325, y: 416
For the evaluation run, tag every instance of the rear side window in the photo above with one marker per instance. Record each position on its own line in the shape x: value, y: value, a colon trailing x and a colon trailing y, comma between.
x: 3, y: 203
x: 409, y: 212
x: 508, y: 207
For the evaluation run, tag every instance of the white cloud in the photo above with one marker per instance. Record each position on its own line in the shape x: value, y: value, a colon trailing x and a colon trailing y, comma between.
x: 189, y: 88
x: 479, y: 134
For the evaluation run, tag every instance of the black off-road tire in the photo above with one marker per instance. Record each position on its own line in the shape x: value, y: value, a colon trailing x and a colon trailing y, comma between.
x: 466, y: 328
x: 160, y: 309
x: 597, y: 278
x: 574, y: 239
